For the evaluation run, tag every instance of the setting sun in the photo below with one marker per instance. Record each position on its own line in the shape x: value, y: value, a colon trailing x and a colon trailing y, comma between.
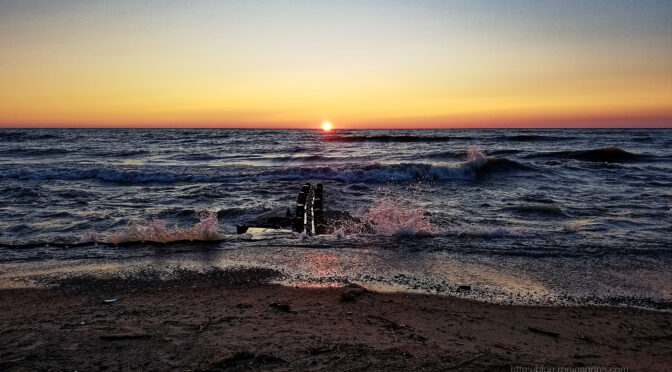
x: 326, y: 126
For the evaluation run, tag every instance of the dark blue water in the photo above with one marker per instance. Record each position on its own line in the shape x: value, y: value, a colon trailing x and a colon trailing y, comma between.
x: 584, y: 212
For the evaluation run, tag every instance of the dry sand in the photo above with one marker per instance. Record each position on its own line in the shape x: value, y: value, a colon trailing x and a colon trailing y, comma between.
x: 235, y: 321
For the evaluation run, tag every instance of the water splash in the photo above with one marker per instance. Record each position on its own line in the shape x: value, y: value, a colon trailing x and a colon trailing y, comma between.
x: 392, y: 215
x: 476, y: 158
x: 397, y: 213
x: 157, y: 231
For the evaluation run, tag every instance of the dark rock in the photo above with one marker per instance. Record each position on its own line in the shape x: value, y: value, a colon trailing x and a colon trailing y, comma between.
x: 243, y: 360
x: 280, y: 306
x: 353, y: 292
x: 543, y: 332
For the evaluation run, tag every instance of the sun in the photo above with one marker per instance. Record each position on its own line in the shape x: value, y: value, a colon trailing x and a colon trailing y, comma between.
x: 326, y: 126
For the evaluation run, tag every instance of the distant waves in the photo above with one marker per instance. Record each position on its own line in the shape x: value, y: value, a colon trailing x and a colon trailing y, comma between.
x: 430, y: 138
x: 477, y: 164
x: 609, y: 154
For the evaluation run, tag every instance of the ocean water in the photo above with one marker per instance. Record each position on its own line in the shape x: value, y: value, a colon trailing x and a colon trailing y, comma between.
x: 525, y: 216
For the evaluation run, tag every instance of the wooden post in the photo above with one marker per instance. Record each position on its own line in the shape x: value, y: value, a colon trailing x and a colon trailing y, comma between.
x: 300, y: 217
x: 310, y: 218
x: 318, y: 210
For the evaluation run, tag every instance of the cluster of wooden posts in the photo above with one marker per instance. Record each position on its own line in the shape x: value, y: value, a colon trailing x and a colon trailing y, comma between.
x: 309, y: 217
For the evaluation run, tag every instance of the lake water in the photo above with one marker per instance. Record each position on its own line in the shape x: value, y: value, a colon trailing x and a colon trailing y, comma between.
x: 529, y: 216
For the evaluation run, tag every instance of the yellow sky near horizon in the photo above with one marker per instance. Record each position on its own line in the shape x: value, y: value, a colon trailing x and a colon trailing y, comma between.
x: 358, y: 64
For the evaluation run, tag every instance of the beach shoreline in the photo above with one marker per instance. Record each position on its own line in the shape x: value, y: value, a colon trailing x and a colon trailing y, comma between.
x: 236, y: 320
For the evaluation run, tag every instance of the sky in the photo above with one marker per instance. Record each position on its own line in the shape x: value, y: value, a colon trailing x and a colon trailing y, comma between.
x: 358, y: 64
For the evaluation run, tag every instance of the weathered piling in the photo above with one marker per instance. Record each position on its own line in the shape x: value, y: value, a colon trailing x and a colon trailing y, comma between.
x: 300, y: 216
x: 309, y: 226
x: 309, y: 218
x: 318, y: 210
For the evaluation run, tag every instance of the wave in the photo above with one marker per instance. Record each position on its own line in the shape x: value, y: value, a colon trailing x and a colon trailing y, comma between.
x: 609, y: 154
x: 24, y: 136
x: 102, y: 174
x: 642, y: 139
x: 504, y: 152
x: 34, y: 151
x: 194, y: 157
x: 379, y: 173
x: 536, y: 137
x: 316, y: 158
x: 538, y: 198
x: 503, y: 164
x: 279, y: 159
x: 461, y: 154
x: 302, y: 158
x: 483, y: 231
x: 444, y: 155
x: 123, y: 153
x: 207, y: 229
x: 393, y: 138
x: 477, y: 164
x: 396, y: 215
x: 19, y: 194
x: 537, y: 209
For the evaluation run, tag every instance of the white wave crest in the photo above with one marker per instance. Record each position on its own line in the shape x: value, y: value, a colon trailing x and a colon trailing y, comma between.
x: 349, y: 173
x: 157, y: 231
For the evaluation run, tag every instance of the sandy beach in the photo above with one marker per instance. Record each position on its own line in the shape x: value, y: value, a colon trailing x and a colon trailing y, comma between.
x: 236, y: 320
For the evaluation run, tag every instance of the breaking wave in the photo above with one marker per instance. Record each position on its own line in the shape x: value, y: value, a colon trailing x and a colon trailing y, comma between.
x: 476, y: 164
x: 609, y: 154
x: 157, y: 231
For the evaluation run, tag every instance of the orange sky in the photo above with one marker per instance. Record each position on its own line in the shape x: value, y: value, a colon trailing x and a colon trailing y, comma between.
x: 359, y: 64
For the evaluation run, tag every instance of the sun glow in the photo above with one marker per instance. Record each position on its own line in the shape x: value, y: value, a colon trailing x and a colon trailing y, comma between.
x: 326, y: 126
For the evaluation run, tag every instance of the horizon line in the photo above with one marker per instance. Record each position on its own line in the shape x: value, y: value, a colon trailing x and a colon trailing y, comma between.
x: 317, y: 128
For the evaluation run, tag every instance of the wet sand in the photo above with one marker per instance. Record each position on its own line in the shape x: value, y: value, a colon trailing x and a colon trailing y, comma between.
x: 238, y: 321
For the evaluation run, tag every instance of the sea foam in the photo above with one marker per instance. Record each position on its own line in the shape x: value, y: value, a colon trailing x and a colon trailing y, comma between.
x: 157, y: 231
